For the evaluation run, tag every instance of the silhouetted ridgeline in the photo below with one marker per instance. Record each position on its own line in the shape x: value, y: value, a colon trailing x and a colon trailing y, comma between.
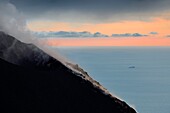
x: 31, y: 81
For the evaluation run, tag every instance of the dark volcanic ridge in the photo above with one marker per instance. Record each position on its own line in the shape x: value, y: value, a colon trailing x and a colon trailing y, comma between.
x: 34, y: 82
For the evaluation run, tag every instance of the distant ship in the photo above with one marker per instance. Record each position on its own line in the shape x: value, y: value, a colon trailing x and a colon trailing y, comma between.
x: 131, y: 66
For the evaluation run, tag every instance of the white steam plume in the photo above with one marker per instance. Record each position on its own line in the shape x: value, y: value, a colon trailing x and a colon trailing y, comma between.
x: 12, y: 22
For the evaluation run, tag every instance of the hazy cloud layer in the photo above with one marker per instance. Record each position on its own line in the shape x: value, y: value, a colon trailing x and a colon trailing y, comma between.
x: 153, y: 33
x: 168, y: 36
x: 92, y: 10
x: 62, y: 34
x: 129, y: 35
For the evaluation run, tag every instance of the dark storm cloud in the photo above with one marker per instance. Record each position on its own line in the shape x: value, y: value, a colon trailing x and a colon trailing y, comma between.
x: 92, y: 5
x: 92, y: 9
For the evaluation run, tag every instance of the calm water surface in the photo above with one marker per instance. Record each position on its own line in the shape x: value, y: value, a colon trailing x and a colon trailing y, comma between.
x: 138, y: 75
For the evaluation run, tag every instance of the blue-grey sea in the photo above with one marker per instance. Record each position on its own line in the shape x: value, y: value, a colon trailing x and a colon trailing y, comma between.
x: 138, y: 75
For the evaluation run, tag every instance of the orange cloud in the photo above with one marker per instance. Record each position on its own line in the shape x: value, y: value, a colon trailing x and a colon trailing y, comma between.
x: 162, y: 26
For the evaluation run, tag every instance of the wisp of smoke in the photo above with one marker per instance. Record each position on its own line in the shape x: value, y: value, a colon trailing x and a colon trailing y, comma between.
x: 12, y: 22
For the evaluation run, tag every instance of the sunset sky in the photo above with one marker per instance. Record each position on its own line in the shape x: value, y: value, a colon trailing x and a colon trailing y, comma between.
x: 146, y: 17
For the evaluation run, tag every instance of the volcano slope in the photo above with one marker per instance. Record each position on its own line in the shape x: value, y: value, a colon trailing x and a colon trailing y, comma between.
x: 32, y: 81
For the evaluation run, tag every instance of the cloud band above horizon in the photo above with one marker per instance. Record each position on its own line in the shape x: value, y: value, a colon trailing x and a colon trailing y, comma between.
x: 96, y: 11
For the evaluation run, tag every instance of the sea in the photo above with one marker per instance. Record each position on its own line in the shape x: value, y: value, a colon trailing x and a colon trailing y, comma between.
x: 139, y: 76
